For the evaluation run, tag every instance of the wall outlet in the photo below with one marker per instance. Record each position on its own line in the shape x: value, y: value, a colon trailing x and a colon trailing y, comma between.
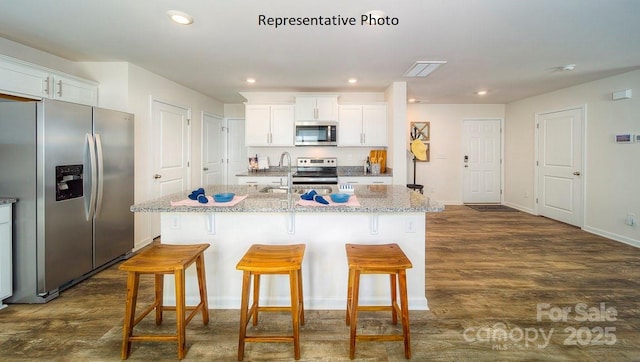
x: 411, y: 226
x: 630, y: 220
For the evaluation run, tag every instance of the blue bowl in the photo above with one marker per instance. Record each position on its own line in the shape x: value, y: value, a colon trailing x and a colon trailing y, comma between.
x: 226, y: 197
x: 340, y: 198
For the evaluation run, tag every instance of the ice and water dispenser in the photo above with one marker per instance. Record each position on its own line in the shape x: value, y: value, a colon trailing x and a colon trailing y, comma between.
x: 68, y: 182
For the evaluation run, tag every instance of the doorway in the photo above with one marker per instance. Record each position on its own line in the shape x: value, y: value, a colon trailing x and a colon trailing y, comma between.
x: 559, y: 161
x: 224, y: 154
x: 482, y: 161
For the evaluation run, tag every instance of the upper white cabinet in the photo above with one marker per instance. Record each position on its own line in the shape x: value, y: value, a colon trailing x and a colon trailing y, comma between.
x: 269, y: 125
x: 362, y: 125
x: 31, y: 81
x: 316, y: 108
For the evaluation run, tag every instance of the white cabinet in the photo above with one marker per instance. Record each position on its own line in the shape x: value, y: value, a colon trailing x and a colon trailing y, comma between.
x: 31, y: 81
x: 261, y: 180
x: 269, y: 125
x: 362, y: 125
x: 322, y: 108
x: 365, y: 180
x: 75, y: 90
x: 6, y: 265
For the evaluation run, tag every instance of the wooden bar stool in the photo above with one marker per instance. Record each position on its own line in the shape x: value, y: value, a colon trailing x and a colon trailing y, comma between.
x: 378, y: 259
x: 271, y: 259
x: 161, y: 259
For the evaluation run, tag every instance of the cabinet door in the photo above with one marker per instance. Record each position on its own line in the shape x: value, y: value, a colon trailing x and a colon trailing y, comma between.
x: 350, y: 126
x: 374, y: 124
x: 75, y: 90
x: 305, y: 109
x: 282, y: 125
x: 257, y: 130
x: 23, y: 80
x: 327, y: 108
x: 259, y: 180
x: 367, y: 180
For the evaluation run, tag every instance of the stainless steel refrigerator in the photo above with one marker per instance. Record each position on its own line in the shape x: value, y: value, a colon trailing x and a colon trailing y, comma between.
x: 71, y: 168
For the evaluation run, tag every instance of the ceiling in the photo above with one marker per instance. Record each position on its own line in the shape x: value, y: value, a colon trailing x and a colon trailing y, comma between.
x: 512, y: 49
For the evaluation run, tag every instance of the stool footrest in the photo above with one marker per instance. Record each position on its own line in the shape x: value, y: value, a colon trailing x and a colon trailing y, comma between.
x: 268, y: 339
x: 154, y: 337
x: 380, y: 337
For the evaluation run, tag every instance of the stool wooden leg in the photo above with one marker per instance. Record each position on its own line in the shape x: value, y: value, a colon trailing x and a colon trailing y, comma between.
x: 202, y: 284
x: 394, y: 299
x: 180, y: 313
x: 300, y: 296
x: 349, y: 295
x: 402, y: 275
x: 295, y: 321
x: 133, y: 280
x: 159, y: 303
x: 353, y: 322
x: 244, y: 311
x: 256, y: 298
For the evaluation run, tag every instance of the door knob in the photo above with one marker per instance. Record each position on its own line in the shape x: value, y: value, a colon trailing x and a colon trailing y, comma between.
x: 157, y: 176
x: 577, y: 173
x: 205, y: 169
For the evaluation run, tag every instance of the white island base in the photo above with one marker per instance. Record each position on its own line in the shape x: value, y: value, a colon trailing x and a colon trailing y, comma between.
x: 325, y: 269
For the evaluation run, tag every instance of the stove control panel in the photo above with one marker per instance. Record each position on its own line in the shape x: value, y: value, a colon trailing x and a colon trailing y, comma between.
x: 317, y: 162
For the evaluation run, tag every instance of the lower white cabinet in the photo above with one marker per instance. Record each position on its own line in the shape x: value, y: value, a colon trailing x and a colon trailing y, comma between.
x: 365, y: 180
x: 261, y: 180
x: 6, y: 264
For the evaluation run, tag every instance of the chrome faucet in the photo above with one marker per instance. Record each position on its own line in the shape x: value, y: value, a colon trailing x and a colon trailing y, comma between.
x: 289, y: 174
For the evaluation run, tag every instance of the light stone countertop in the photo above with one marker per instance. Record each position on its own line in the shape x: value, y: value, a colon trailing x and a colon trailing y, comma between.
x: 372, y: 198
x: 350, y: 171
x: 7, y: 200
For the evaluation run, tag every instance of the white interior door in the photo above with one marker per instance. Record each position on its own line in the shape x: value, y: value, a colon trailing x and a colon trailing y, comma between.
x: 170, y: 152
x: 213, y: 144
x: 559, y: 185
x: 482, y: 173
x: 237, y: 160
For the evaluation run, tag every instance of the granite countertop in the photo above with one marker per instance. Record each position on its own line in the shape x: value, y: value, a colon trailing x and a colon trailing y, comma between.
x: 7, y: 200
x: 351, y: 171
x: 372, y: 198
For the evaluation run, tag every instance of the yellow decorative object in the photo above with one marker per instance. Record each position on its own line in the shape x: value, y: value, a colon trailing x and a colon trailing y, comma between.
x: 419, y: 149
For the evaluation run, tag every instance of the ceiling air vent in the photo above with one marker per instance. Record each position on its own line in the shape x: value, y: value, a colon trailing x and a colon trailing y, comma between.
x: 423, y: 68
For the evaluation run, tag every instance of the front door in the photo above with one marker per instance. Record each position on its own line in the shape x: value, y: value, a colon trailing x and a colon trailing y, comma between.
x: 170, y: 152
x: 559, y: 161
x: 482, y: 172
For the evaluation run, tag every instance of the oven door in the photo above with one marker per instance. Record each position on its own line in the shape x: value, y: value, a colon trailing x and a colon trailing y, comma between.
x: 302, y: 180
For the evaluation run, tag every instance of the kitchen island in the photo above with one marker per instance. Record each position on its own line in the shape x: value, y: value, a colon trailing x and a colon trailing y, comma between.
x: 378, y: 214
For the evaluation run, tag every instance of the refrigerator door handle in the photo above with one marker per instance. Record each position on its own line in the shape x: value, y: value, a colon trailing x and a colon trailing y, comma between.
x: 99, y: 160
x: 89, y: 212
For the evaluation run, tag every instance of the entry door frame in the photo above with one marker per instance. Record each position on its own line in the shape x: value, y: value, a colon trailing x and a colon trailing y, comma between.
x: 536, y: 185
x: 501, y: 155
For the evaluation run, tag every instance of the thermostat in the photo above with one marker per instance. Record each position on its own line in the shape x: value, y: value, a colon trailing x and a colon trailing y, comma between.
x: 625, y: 138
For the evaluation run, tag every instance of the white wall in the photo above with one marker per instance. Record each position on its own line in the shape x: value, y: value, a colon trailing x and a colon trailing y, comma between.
x: 612, y: 171
x: 396, y: 97
x: 442, y: 175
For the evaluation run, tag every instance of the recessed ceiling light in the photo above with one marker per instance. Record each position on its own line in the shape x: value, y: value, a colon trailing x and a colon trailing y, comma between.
x: 412, y: 100
x: 569, y: 67
x: 251, y: 80
x: 180, y: 17
x: 352, y: 81
x: 377, y: 14
x: 423, y: 68
x: 481, y: 93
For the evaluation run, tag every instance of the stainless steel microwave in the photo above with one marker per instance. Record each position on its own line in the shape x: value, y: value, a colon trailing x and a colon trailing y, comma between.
x: 316, y: 134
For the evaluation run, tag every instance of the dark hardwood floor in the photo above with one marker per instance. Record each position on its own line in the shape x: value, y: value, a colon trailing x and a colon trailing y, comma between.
x: 500, y: 285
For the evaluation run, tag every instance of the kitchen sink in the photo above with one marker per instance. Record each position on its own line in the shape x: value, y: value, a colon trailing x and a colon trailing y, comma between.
x: 321, y: 190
